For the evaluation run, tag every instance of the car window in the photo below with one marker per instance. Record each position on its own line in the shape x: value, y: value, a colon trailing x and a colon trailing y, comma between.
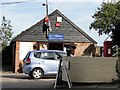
x: 62, y: 54
x: 27, y: 56
x: 47, y: 55
x: 58, y: 55
x: 37, y: 54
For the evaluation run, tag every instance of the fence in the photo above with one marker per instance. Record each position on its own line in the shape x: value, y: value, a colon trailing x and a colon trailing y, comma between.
x: 91, y: 69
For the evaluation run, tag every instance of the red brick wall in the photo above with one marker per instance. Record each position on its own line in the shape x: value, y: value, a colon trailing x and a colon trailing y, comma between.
x: 17, y: 56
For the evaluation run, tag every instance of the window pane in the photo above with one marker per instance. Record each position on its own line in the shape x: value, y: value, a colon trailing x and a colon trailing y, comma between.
x: 37, y: 54
x: 47, y: 55
x: 28, y: 54
x: 62, y: 54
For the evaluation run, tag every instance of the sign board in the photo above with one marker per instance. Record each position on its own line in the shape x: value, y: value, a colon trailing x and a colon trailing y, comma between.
x: 59, y: 19
x: 65, y: 70
x: 55, y: 37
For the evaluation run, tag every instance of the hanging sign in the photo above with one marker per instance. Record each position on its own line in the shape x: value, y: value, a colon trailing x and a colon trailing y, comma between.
x: 57, y: 24
x: 59, y: 19
x: 55, y: 37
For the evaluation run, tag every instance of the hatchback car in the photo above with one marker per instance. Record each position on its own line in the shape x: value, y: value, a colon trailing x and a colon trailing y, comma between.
x: 42, y: 62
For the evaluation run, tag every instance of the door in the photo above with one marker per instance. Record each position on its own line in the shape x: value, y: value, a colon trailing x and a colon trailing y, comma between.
x: 55, y: 46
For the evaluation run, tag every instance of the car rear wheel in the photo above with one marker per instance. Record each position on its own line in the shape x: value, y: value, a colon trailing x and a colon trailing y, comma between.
x: 37, y: 73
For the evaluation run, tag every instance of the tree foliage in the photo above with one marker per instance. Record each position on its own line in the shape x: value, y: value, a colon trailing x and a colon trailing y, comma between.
x: 5, y: 32
x: 107, y: 20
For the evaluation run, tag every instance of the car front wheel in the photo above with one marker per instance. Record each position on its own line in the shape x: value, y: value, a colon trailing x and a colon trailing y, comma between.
x: 37, y: 73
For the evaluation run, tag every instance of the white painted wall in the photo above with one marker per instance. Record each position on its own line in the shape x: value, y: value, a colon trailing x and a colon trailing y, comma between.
x: 24, y: 48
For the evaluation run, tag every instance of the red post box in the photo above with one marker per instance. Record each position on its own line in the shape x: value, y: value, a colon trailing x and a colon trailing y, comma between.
x: 107, y: 49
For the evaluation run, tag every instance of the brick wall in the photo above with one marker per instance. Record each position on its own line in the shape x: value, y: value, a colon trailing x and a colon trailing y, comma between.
x: 91, y: 69
x: 17, y: 56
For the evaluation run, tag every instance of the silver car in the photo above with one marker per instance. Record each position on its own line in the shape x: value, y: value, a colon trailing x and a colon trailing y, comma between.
x: 42, y: 62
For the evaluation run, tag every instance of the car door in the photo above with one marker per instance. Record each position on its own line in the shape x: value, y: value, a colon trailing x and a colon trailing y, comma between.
x: 50, y: 63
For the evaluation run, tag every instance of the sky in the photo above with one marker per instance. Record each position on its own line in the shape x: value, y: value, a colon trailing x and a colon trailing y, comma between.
x: 29, y: 12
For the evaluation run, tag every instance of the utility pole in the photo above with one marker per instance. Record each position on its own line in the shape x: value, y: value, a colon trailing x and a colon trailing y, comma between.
x: 46, y: 7
x: 46, y: 19
x: 46, y: 22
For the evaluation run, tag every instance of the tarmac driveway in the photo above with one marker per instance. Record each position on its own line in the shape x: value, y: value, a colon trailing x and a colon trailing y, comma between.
x: 11, y: 80
x: 23, y: 81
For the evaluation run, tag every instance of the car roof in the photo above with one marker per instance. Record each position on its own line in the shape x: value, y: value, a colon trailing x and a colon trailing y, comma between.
x: 48, y: 51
